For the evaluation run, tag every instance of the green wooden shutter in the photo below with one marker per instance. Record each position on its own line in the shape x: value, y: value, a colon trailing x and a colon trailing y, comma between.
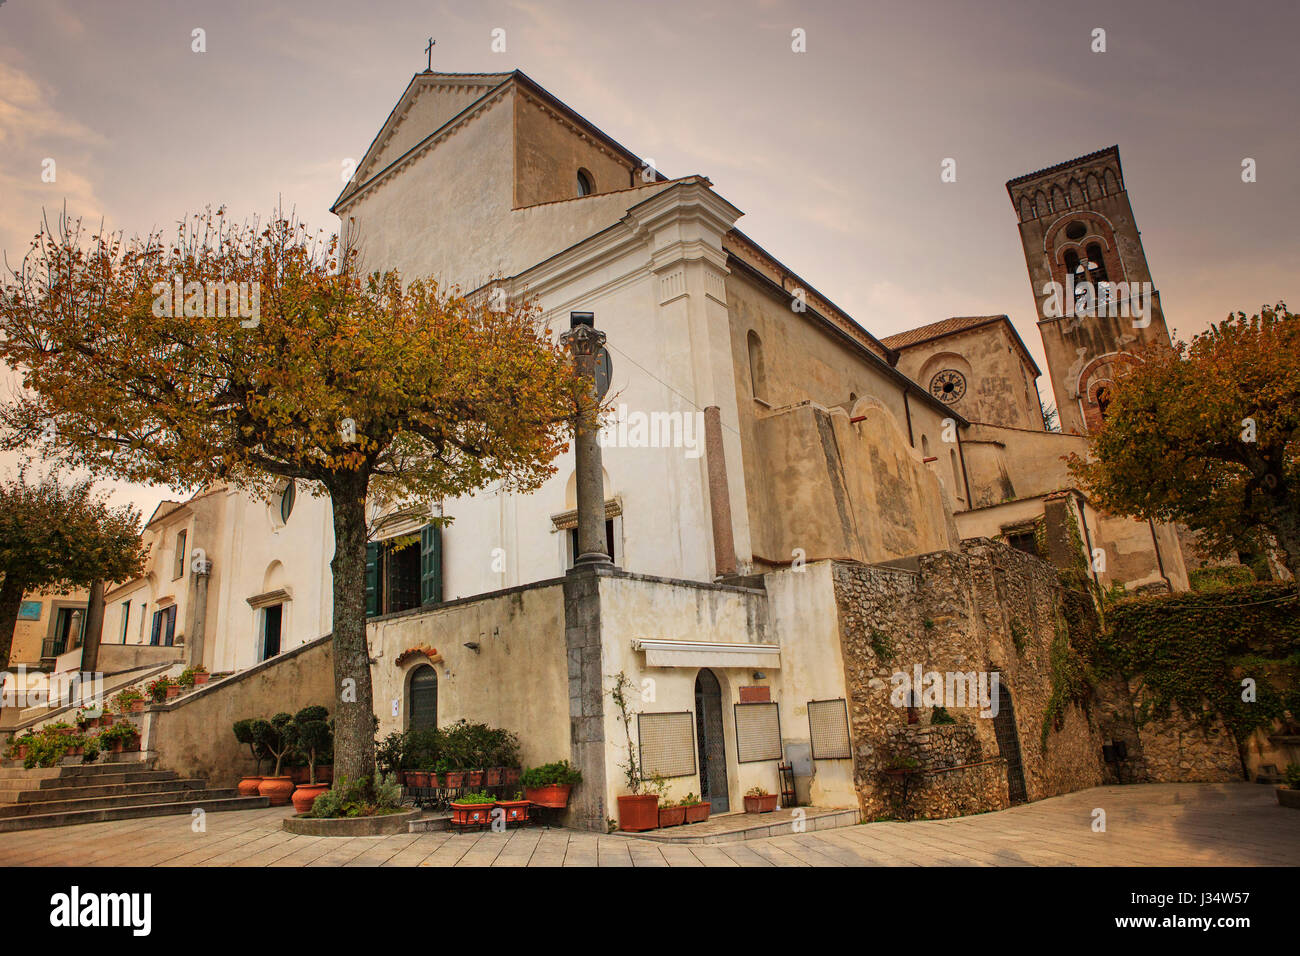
x: 372, y: 579
x: 431, y: 564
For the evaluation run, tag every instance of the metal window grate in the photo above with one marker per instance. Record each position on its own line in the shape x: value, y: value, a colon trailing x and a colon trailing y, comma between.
x: 828, y: 729
x: 667, y: 744
x: 758, y: 732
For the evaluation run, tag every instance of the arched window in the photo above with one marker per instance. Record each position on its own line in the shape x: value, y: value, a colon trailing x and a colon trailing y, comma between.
x: 422, y: 703
x: 1096, y: 263
x: 586, y: 185
x: 757, y: 373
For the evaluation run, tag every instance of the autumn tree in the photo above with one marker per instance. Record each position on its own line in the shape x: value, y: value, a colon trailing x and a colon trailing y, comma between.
x: 59, y: 537
x: 360, y: 386
x: 1205, y: 434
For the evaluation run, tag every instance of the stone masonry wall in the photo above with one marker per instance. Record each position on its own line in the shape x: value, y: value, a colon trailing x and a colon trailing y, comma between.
x: 989, y: 609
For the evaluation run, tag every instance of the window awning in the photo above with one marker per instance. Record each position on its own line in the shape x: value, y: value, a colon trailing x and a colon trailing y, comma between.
x: 660, y: 653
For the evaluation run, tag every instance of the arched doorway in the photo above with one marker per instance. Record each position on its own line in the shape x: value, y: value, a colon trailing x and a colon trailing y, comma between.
x: 1004, y: 728
x: 422, y: 699
x: 713, y: 748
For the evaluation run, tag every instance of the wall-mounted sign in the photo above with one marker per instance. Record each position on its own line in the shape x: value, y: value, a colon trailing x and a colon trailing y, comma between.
x: 29, y: 611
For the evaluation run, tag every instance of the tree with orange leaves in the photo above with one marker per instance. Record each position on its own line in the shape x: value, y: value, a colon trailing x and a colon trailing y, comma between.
x: 254, y: 354
x: 1206, y: 434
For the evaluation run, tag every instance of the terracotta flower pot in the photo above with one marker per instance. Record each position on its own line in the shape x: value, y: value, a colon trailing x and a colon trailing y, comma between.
x: 173, y: 690
x: 455, y: 779
x: 1286, y: 797
x: 92, y: 722
x: 476, y: 778
x: 248, y: 786
x: 325, y: 774
x: 637, y: 812
x: 492, y: 777
x: 200, y: 679
x: 471, y: 814
x: 418, y: 778
x: 133, y: 743
x: 516, y: 810
x: 116, y: 747
x: 763, y: 804
x: 552, y: 795
x: 697, y: 812
x: 106, y: 720
x: 278, y: 789
x: 305, y: 795
x: 672, y: 816
x: 137, y: 706
x: 511, y: 775
x: 22, y: 751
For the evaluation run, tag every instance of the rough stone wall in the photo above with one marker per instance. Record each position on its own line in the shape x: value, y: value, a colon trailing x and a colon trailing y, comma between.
x: 989, y: 608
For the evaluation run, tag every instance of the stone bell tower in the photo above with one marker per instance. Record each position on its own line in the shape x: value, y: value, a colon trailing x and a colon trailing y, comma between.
x: 1096, y: 302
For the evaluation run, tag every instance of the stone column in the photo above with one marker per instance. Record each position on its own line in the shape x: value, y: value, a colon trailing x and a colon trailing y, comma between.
x: 584, y: 343
x: 199, y: 576
x: 582, y: 642
x: 724, y: 542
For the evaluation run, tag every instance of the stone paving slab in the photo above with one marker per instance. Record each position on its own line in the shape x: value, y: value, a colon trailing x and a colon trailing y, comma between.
x: 1145, y: 825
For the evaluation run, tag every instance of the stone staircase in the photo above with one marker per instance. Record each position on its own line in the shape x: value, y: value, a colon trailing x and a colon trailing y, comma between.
x: 89, y: 793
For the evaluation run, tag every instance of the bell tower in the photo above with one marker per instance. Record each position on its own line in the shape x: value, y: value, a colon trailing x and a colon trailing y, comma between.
x: 1092, y: 288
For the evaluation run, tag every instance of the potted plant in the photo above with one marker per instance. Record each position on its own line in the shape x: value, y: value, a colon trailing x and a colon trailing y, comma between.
x: 516, y: 810
x: 472, y: 809
x: 758, y: 800
x: 244, y: 734
x: 276, y: 737
x: 1289, y: 796
x: 637, y: 811
x: 672, y: 814
x: 455, y: 779
x: 697, y: 810
x: 311, y: 737
x: 106, y: 719
x: 549, y: 784
x: 128, y: 700
x: 159, y: 689
x: 118, y: 738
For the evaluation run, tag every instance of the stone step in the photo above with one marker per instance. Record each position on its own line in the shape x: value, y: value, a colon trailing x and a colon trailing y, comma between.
x: 151, y: 785
x: 21, y: 773
x: 184, y: 794
x: 73, y: 818
x: 123, y: 776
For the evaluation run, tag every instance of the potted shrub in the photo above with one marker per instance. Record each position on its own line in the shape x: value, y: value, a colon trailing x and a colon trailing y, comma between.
x: 276, y: 737
x: 1289, y: 796
x: 549, y: 784
x: 455, y: 779
x: 244, y: 734
x: 758, y: 800
x: 672, y: 814
x: 310, y: 736
x: 516, y: 810
x: 118, y: 738
x: 637, y: 811
x: 128, y: 701
x: 697, y: 810
x: 472, y: 809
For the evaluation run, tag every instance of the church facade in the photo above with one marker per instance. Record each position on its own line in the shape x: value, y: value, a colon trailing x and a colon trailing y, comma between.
x: 797, y: 511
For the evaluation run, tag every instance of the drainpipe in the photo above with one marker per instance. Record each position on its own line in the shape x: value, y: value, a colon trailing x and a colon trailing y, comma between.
x: 724, y: 542
x: 907, y: 410
x: 965, y: 478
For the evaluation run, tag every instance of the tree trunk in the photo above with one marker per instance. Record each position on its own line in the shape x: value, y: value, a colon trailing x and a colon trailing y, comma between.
x: 1285, y: 525
x: 354, y: 719
x: 11, y: 599
x: 94, y: 628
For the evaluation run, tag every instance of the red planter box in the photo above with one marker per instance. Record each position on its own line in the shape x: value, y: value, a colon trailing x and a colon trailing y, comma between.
x: 555, y: 795
x: 455, y: 779
x: 637, y: 812
x: 516, y: 810
x: 475, y: 778
x: 672, y: 816
x: 471, y: 814
x: 511, y: 775
x: 492, y: 777
x: 697, y: 813
x: 765, y: 804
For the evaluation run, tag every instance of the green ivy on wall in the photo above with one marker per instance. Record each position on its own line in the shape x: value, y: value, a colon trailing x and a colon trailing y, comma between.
x: 1192, y: 651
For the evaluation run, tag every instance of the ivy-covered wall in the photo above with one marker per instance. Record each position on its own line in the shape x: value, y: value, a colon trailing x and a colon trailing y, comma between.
x: 1202, y: 679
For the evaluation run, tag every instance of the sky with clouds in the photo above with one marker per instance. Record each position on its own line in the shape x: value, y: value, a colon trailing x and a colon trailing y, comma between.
x: 833, y: 154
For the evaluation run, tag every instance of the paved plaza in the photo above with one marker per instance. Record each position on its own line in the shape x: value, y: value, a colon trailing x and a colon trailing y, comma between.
x: 1145, y: 825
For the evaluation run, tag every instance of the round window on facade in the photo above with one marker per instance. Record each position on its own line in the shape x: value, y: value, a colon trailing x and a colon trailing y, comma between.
x: 948, y: 386
x: 286, y: 502
x: 1076, y: 231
